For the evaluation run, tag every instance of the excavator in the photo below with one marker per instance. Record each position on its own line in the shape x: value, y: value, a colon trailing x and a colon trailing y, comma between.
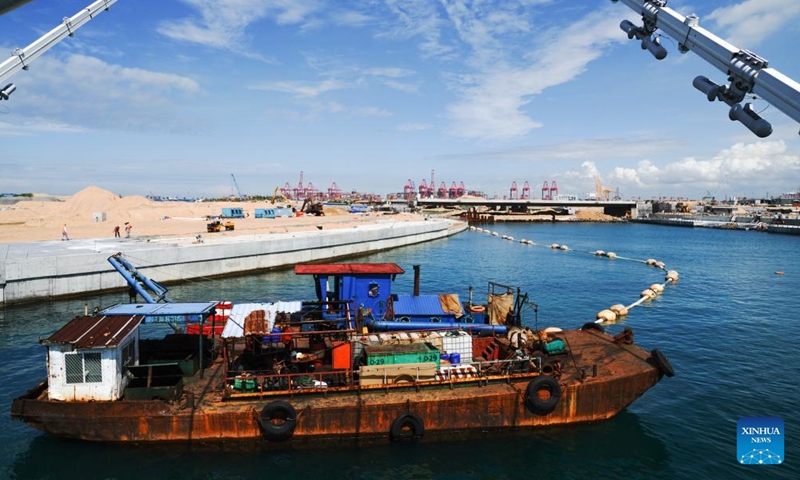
x: 277, y: 196
x: 217, y: 226
x: 312, y: 207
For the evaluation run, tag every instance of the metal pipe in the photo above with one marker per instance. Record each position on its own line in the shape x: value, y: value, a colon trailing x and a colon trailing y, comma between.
x: 416, y: 280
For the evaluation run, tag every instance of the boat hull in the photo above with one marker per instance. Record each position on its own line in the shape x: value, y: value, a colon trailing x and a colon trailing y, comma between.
x: 468, y: 407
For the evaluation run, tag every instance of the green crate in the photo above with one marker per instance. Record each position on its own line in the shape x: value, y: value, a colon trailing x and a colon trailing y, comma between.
x: 398, y: 354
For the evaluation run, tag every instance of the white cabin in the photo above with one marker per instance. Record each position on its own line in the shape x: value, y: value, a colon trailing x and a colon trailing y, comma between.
x: 87, y: 357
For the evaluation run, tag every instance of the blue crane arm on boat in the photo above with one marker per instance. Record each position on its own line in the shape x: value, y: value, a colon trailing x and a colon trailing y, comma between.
x: 139, y: 281
x: 748, y: 73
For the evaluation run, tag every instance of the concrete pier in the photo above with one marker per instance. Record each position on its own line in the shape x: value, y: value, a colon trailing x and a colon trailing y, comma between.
x: 43, y: 270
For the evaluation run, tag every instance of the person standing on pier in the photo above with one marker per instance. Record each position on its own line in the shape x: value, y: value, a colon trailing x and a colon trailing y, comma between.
x: 116, y: 231
x: 128, y: 227
x: 64, y: 235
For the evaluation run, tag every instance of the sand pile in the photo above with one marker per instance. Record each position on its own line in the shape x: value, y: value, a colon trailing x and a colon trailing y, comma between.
x: 35, y: 220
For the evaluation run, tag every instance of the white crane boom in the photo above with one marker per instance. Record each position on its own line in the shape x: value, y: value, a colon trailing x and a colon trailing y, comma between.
x: 21, y: 58
x: 747, y: 72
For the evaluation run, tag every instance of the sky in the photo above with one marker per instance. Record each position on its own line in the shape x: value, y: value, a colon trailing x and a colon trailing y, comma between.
x: 181, y: 97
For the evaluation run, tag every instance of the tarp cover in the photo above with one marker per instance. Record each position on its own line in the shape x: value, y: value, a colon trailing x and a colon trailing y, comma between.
x: 236, y: 326
x: 499, y: 306
x: 451, y: 304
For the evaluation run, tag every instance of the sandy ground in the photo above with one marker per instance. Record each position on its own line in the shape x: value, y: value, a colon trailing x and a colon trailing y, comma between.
x: 32, y: 221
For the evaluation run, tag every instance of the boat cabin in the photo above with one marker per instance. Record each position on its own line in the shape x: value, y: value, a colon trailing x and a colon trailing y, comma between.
x: 94, y: 357
x: 87, y: 357
x: 367, y: 289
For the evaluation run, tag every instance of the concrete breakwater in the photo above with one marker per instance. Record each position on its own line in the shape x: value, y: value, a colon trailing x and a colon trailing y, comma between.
x: 42, y: 270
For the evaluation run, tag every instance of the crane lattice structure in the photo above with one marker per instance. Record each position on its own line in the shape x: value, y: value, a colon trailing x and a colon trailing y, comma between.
x: 747, y: 73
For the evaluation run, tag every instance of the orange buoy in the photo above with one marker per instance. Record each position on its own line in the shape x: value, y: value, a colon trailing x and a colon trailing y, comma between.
x: 779, y: 272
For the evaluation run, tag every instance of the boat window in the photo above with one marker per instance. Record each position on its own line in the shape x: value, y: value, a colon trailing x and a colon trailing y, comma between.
x: 83, y: 367
x: 374, y: 290
x: 128, y: 353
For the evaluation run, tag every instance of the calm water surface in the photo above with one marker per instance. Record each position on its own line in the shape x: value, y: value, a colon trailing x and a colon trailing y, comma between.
x: 729, y: 327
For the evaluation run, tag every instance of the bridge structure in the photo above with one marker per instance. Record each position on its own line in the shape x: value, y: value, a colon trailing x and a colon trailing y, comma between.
x: 617, y: 208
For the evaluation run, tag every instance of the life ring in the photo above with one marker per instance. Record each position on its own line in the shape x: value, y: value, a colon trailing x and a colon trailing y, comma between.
x: 477, y: 309
x: 593, y: 326
x: 662, y: 362
x: 407, y: 427
x: 436, y: 320
x: 533, y: 395
x: 278, y: 420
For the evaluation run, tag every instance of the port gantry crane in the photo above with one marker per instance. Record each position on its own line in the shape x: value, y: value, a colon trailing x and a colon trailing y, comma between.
x: 21, y: 58
x: 747, y: 73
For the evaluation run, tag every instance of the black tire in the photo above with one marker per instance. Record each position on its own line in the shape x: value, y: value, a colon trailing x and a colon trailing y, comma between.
x: 593, y: 326
x: 662, y: 363
x: 278, y: 420
x: 404, y: 378
x: 407, y: 427
x: 537, y: 404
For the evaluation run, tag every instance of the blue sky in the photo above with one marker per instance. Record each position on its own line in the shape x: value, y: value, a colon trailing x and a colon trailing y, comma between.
x: 172, y: 97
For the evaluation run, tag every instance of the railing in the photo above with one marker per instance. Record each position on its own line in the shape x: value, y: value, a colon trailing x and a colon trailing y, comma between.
x: 249, y: 384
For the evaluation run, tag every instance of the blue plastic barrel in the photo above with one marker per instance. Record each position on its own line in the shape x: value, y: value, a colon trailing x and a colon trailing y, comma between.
x: 444, y: 356
x: 455, y: 358
x: 275, y: 337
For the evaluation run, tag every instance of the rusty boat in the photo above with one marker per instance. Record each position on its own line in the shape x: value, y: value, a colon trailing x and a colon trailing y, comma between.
x: 356, y: 362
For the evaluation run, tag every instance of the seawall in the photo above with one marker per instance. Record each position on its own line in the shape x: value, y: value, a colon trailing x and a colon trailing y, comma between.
x: 43, y: 270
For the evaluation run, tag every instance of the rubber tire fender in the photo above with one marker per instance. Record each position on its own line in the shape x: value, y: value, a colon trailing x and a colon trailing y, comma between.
x: 407, y: 427
x: 593, y: 326
x: 662, y: 363
x: 537, y: 405
x: 278, y: 410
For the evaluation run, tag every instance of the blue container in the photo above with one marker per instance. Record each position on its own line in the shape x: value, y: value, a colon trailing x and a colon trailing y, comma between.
x: 455, y: 358
x: 275, y: 337
x: 444, y: 356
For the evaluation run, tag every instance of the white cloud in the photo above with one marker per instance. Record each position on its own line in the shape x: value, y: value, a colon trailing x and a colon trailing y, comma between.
x: 414, y: 127
x: 301, y: 89
x: 222, y: 23
x: 418, y: 18
x: 742, y: 167
x: 77, y: 92
x: 749, y: 22
x: 493, y: 100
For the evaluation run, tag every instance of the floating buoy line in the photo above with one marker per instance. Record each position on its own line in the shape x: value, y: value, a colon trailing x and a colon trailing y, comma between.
x: 616, y: 311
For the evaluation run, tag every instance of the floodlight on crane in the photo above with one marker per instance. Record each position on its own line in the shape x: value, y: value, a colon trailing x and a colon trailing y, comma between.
x: 747, y: 73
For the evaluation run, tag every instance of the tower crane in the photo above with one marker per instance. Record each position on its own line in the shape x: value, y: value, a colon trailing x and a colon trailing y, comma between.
x: 747, y: 72
x: 21, y: 58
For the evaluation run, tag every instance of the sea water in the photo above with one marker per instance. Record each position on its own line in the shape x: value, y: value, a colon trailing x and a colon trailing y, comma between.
x: 729, y: 327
